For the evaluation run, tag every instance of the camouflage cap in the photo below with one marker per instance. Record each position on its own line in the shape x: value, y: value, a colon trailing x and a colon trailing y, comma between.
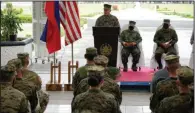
x: 95, y: 68
x: 101, y: 60
x: 166, y: 21
x: 132, y: 23
x: 185, y: 75
x: 22, y: 55
x: 171, y: 58
x: 17, y: 62
x: 91, y: 51
x: 8, y: 70
x: 113, y: 70
x: 107, y: 6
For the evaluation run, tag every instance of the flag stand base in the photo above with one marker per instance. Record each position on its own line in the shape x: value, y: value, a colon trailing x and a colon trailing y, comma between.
x: 54, y: 85
x: 68, y: 87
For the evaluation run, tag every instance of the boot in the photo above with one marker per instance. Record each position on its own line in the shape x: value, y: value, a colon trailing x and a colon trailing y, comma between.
x: 134, y: 67
x: 125, y: 67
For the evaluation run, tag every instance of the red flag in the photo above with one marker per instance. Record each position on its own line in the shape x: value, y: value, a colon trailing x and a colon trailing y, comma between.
x: 69, y: 17
x: 51, y: 33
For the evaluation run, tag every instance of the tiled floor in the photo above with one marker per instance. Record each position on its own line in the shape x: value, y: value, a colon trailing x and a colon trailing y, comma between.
x: 133, y: 102
x: 124, y: 109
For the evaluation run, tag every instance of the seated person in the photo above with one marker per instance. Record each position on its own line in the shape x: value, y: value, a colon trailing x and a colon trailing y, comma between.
x: 95, y: 100
x: 130, y: 40
x: 165, y: 39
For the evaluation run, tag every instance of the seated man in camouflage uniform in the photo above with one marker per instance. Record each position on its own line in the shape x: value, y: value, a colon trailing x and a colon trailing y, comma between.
x: 180, y: 103
x: 165, y: 88
x: 81, y: 73
x: 33, y: 77
x: 109, y: 86
x: 94, y: 100
x: 130, y: 40
x: 107, y: 20
x: 111, y: 72
x: 172, y: 64
x: 23, y: 85
x: 12, y: 100
x: 165, y: 39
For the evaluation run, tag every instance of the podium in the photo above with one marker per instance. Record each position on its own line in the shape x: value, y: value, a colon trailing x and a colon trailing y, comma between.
x: 106, y: 42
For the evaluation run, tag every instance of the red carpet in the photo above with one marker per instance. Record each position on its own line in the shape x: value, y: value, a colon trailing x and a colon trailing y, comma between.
x: 144, y: 75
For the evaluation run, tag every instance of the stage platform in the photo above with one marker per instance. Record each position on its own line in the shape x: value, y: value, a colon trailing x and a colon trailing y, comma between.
x: 139, y: 80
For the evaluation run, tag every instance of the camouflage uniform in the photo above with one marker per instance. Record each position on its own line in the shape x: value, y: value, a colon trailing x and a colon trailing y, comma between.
x: 81, y: 73
x: 12, y: 100
x: 163, y: 36
x: 109, y: 86
x: 113, y: 72
x: 180, y: 103
x: 164, y: 88
x: 95, y: 101
x: 102, y: 60
x: 26, y: 87
x: 130, y: 36
x: 107, y: 20
x: 30, y: 76
x: 163, y: 74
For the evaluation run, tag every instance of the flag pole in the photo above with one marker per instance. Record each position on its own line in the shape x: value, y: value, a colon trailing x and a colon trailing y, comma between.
x: 54, y: 68
x: 72, y: 60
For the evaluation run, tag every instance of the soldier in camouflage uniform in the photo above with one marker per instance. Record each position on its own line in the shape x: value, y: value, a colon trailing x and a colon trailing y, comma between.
x: 111, y: 72
x: 95, y: 100
x: 164, y: 88
x: 109, y: 86
x: 28, y: 75
x: 107, y: 20
x: 180, y: 103
x: 12, y: 100
x: 26, y: 87
x: 172, y: 64
x: 165, y: 39
x: 81, y: 73
x: 130, y: 40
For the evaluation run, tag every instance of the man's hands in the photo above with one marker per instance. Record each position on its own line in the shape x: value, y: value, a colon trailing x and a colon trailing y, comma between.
x: 128, y: 44
x: 165, y: 45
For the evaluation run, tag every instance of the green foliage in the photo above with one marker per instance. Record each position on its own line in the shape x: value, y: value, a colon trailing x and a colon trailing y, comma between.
x: 25, y: 18
x: 83, y: 21
x: 11, y: 23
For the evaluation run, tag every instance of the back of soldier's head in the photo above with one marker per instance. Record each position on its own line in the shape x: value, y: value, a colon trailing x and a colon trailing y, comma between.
x: 91, y: 52
x: 17, y: 62
x: 7, y: 72
x: 185, y: 75
x: 95, y: 79
x: 101, y: 60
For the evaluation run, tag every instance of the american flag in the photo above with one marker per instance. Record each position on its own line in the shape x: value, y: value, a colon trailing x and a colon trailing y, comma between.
x: 69, y: 18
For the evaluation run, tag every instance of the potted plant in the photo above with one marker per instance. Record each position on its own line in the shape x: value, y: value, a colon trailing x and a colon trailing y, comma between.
x: 11, y: 23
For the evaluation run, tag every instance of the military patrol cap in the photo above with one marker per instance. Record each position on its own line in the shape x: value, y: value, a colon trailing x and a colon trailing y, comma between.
x: 166, y: 21
x: 107, y: 6
x: 101, y: 60
x: 95, y: 68
x: 113, y: 70
x: 8, y: 70
x: 22, y: 55
x: 91, y: 51
x: 17, y: 62
x: 171, y: 58
x: 132, y: 23
x: 185, y: 75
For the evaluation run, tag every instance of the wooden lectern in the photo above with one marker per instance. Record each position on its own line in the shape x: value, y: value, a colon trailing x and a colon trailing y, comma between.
x: 106, y: 42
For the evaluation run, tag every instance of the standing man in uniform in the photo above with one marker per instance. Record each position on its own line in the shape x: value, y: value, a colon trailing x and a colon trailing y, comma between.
x: 81, y: 73
x: 165, y: 39
x: 12, y: 100
x: 107, y: 20
x: 130, y: 40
